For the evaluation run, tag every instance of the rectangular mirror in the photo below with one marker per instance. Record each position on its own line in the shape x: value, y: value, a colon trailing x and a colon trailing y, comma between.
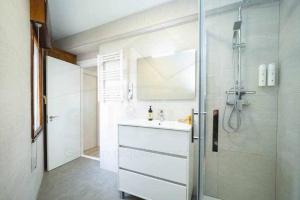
x: 167, y: 77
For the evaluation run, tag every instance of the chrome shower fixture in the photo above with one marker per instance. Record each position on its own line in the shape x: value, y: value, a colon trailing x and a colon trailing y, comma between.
x: 235, y: 94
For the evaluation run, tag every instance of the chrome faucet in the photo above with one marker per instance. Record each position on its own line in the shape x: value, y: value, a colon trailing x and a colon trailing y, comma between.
x: 161, y: 116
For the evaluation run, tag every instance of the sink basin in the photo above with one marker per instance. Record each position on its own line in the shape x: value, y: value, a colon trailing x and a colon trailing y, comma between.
x: 172, y: 125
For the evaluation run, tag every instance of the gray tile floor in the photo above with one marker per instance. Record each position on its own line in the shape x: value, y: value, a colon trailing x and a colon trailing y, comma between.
x: 81, y: 179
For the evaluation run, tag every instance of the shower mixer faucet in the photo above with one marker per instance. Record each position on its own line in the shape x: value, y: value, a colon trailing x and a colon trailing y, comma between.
x: 239, y: 103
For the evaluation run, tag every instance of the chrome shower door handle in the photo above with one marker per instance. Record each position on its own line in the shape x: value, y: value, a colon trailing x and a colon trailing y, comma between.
x: 193, y: 126
x: 193, y: 137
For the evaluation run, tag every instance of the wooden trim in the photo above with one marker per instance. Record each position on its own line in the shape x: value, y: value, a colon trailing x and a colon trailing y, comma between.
x: 45, y: 37
x: 39, y: 15
x: 62, y: 55
x: 34, y: 39
x: 38, y: 11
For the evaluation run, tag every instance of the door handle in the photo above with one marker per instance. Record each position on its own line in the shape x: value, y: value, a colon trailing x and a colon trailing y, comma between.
x: 193, y: 131
x: 215, y: 135
x: 193, y: 137
x: 52, y: 117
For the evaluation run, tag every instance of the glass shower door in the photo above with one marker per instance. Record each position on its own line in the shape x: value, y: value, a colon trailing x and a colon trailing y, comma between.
x: 238, y: 117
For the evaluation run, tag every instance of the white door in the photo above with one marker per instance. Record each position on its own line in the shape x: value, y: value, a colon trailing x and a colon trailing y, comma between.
x: 63, y: 112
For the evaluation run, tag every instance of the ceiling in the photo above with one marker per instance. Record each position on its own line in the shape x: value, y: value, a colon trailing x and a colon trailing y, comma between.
x: 69, y: 17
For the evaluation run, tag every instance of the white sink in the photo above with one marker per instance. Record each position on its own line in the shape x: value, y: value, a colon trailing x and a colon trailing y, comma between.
x: 172, y: 125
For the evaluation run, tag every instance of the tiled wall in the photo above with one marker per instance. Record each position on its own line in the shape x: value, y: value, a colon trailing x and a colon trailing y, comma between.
x: 245, y: 166
x: 288, y: 170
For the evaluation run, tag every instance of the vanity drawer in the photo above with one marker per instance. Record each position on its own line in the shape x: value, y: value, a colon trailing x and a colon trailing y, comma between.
x: 161, y: 140
x: 154, y: 164
x: 150, y: 188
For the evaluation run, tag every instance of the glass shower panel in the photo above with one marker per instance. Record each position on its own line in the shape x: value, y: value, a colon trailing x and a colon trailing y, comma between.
x: 240, y: 154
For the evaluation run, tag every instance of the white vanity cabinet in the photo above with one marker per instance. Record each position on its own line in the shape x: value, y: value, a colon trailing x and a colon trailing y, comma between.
x: 156, y: 160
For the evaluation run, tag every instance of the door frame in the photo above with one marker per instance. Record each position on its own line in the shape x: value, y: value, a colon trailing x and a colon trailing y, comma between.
x: 84, y: 64
x: 45, y: 110
x: 202, y: 82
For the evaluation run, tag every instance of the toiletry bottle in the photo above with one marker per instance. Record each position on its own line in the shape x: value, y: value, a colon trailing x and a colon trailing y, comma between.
x: 150, y: 114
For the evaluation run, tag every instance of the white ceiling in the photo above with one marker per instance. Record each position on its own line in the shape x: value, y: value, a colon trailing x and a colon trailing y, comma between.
x: 69, y: 17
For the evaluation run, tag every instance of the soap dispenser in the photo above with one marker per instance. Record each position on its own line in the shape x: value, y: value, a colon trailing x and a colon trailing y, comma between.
x: 150, y: 114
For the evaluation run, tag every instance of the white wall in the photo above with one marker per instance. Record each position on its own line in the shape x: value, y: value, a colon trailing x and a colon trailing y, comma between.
x: 17, y: 182
x: 89, y: 109
x: 178, y: 38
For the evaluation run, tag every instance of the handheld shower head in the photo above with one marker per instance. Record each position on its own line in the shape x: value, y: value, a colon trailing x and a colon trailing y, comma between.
x: 237, y: 25
x: 236, y: 28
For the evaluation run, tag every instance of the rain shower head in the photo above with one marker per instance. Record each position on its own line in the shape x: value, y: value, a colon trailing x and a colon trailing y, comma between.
x: 237, y: 25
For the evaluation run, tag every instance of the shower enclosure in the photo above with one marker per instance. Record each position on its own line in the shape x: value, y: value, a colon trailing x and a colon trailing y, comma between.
x: 244, y: 126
